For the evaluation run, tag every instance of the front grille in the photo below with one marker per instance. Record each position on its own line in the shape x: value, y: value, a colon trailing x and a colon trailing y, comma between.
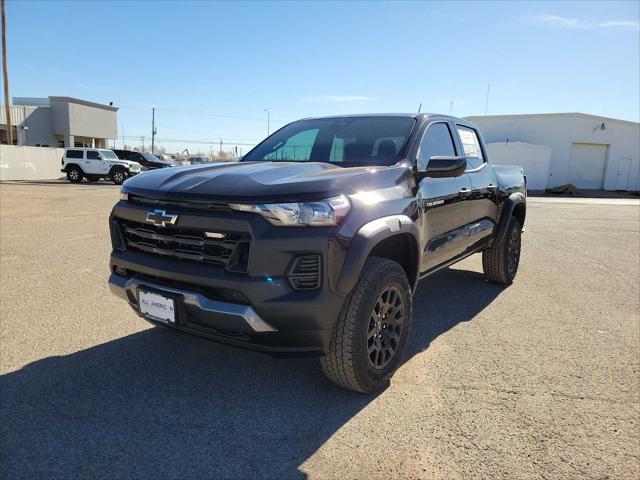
x: 180, y: 203
x: 191, y: 245
x: 305, y: 272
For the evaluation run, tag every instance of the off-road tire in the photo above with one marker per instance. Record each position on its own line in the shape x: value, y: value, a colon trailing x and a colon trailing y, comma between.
x: 347, y: 363
x: 500, y: 263
x: 118, y: 176
x: 74, y: 174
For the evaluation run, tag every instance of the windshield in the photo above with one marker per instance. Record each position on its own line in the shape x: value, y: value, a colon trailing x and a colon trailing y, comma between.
x: 345, y: 141
x: 108, y: 155
x: 150, y: 157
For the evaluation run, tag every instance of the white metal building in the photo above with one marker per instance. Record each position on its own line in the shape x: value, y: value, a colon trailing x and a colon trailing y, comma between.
x: 588, y: 151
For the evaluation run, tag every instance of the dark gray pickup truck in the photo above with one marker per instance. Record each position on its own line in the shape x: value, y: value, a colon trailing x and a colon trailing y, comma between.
x: 315, y: 241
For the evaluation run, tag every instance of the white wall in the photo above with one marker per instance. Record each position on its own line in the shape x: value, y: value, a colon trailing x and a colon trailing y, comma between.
x: 534, y: 159
x: 560, y: 131
x: 30, y: 163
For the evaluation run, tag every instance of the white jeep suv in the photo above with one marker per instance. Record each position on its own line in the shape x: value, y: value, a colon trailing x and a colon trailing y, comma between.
x: 96, y: 163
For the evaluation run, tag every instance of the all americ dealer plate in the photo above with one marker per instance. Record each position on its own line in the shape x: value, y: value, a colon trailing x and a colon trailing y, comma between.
x: 157, y: 307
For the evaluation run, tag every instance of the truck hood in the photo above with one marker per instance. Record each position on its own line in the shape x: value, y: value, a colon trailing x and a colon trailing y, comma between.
x: 262, y: 181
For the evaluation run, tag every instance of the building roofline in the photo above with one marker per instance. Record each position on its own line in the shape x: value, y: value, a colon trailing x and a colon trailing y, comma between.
x: 84, y: 102
x: 566, y: 114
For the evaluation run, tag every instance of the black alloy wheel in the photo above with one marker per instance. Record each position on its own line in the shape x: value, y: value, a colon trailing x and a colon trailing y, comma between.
x: 385, y: 328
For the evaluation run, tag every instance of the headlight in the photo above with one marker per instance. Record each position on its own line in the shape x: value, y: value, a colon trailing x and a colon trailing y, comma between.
x: 124, y: 196
x: 317, y: 214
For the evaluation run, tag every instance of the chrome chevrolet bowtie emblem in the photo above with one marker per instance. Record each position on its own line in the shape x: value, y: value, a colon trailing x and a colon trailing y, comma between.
x: 160, y: 218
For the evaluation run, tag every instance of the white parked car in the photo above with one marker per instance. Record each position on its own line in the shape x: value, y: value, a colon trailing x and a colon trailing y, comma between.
x: 96, y: 163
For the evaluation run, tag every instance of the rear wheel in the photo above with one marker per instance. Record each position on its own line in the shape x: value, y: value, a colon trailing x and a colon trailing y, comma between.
x: 118, y: 176
x: 370, y: 338
x: 500, y: 263
x: 74, y: 174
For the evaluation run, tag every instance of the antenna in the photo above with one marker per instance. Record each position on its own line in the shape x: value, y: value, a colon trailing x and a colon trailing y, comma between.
x: 486, y: 103
x: 419, y: 108
x: 451, y: 107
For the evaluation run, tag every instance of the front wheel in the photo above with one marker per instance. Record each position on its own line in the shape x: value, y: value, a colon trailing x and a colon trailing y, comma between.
x: 370, y: 338
x: 500, y: 262
x: 118, y: 176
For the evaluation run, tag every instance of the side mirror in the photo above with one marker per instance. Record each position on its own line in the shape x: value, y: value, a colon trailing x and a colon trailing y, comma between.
x: 439, y: 167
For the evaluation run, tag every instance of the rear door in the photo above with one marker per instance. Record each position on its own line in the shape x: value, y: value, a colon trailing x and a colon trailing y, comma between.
x: 482, y: 201
x: 442, y: 200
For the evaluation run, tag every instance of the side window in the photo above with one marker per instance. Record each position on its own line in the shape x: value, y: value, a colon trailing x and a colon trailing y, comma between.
x: 436, y: 142
x: 471, y: 145
x: 297, y: 147
x: 92, y: 155
x: 74, y: 154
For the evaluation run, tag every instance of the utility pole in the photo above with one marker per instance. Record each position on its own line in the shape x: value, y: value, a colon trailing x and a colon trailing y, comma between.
x: 153, y: 128
x: 5, y: 74
x: 268, y: 120
x: 142, y: 141
x: 123, y: 137
x: 486, y: 103
x: 221, y: 147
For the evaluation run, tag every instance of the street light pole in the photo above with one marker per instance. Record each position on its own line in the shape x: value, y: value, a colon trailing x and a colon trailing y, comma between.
x: 268, y: 120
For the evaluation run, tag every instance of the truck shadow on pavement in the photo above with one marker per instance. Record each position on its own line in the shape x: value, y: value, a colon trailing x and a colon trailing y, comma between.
x: 161, y: 404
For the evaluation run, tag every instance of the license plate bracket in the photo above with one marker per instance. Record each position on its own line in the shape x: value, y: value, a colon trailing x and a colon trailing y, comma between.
x: 157, y: 306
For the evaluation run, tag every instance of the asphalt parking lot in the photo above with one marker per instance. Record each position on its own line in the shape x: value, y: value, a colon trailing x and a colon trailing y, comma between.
x: 538, y: 380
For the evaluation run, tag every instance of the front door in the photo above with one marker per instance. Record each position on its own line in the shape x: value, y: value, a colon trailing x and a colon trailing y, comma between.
x: 442, y: 201
x: 95, y: 165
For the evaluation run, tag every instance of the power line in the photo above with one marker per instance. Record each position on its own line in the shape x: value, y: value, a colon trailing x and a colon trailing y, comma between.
x: 184, y: 140
x: 207, y: 114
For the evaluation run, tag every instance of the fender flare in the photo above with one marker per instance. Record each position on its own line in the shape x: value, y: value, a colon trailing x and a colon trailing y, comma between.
x: 510, y: 204
x: 118, y: 167
x: 364, y: 241
x: 69, y: 165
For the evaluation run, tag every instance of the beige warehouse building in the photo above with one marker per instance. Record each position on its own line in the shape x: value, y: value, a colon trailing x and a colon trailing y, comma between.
x: 60, y: 122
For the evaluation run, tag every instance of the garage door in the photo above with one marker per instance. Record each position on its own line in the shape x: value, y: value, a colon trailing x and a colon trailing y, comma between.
x: 586, y: 166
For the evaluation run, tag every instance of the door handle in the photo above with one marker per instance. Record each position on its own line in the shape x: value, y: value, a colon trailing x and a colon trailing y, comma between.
x: 464, y: 193
x: 491, y: 187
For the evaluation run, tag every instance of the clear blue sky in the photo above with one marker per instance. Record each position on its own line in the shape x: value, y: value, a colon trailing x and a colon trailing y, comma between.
x: 305, y: 59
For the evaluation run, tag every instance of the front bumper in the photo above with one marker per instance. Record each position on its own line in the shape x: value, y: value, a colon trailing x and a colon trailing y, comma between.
x: 232, y: 323
x: 258, y: 309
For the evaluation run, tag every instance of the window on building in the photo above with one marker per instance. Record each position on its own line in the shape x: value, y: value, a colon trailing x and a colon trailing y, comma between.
x: 437, y: 142
x: 471, y: 146
x: 74, y: 154
x: 92, y: 155
x: 4, y: 135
